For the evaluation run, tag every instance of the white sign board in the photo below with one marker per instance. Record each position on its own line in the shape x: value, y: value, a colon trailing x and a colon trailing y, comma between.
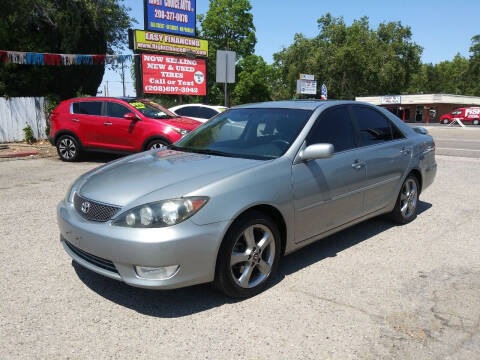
x: 226, y: 66
x: 307, y: 77
x: 391, y: 100
x: 307, y: 87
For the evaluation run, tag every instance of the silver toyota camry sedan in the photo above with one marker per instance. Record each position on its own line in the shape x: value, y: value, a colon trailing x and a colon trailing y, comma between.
x: 257, y: 182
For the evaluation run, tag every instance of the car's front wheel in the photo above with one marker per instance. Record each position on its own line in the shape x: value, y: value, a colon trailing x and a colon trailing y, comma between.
x: 445, y: 121
x: 68, y: 148
x: 249, y: 256
x: 476, y: 122
x: 406, y: 206
x: 156, y: 144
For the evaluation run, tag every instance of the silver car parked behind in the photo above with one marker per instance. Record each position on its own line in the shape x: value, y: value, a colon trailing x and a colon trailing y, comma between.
x: 257, y: 182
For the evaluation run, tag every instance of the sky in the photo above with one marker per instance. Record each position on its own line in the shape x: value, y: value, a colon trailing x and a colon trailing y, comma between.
x: 442, y: 27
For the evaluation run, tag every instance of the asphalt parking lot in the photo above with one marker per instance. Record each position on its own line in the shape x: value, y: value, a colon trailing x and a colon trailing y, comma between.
x: 374, y: 291
x: 456, y: 141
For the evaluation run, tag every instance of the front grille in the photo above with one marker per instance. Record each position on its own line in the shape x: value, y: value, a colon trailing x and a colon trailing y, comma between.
x: 92, y: 210
x: 92, y: 259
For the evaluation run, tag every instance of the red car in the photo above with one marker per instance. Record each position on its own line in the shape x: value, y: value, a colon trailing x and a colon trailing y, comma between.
x: 469, y: 115
x: 124, y: 125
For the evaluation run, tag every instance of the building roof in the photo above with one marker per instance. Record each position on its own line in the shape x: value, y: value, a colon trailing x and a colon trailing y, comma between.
x: 420, y: 99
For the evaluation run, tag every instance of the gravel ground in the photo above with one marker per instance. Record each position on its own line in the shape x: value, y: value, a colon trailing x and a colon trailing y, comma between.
x: 43, y: 147
x: 374, y: 291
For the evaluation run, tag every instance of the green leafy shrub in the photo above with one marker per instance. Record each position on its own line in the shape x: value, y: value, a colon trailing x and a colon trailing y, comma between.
x: 29, y: 137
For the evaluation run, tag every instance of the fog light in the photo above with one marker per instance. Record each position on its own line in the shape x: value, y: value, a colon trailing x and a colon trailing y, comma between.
x: 156, y: 273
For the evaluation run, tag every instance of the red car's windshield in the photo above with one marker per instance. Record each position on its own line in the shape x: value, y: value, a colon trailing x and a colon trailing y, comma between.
x: 151, y: 109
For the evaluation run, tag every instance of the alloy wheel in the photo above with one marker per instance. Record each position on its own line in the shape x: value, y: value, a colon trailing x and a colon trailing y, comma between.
x: 156, y: 145
x: 67, y: 148
x: 253, y: 256
x: 408, y: 198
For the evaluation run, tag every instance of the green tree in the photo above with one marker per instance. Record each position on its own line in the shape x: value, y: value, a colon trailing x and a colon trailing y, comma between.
x: 59, y: 26
x: 351, y: 60
x: 449, y: 77
x: 474, y: 66
x: 227, y: 25
x: 253, y: 81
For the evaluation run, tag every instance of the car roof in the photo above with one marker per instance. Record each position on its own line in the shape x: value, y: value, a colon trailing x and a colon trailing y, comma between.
x: 295, y: 104
x: 93, y: 98
x: 198, y: 104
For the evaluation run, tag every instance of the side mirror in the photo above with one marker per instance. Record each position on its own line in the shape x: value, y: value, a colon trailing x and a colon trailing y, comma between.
x: 317, y: 151
x: 130, y: 116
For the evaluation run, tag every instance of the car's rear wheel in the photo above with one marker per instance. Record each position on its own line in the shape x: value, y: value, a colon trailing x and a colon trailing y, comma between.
x: 476, y: 122
x: 249, y: 256
x: 406, y: 206
x: 156, y: 144
x: 445, y: 121
x: 68, y: 148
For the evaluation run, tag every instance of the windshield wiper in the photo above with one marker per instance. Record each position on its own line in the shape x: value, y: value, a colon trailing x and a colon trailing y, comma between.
x: 213, y: 152
x: 220, y: 153
x: 201, y: 151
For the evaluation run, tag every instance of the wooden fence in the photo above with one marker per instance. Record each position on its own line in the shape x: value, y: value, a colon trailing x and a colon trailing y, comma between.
x: 19, y: 112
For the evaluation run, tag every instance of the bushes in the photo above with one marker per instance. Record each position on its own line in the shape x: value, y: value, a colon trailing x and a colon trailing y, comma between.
x: 29, y: 137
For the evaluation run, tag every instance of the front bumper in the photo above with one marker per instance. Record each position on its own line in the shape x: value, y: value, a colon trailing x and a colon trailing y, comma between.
x: 191, y: 246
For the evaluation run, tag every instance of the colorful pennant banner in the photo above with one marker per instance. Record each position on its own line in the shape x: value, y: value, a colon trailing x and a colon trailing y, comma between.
x: 29, y: 58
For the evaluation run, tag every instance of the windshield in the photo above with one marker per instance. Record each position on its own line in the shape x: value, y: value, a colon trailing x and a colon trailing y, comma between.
x: 249, y: 133
x: 151, y: 109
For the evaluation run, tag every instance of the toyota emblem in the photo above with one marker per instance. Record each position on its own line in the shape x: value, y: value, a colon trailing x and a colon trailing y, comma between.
x: 86, y: 207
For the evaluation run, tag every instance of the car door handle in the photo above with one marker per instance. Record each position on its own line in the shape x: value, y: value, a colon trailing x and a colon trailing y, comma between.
x: 75, y: 120
x: 405, y: 151
x: 107, y: 123
x: 358, y: 164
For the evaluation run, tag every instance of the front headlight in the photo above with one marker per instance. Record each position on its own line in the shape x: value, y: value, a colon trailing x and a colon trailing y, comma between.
x: 178, y: 130
x: 162, y: 213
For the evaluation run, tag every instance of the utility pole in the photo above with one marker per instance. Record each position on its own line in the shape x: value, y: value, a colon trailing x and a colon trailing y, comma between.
x: 123, y: 78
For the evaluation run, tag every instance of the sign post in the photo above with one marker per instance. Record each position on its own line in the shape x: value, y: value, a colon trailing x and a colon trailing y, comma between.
x: 173, y: 75
x: 226, y: 69
x: 169, y: 59
x: 174, y: 17
x: 306, y: 85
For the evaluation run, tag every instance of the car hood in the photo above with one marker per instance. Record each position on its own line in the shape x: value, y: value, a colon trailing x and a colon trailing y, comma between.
x: 168, y: 173
x: 183, y: 123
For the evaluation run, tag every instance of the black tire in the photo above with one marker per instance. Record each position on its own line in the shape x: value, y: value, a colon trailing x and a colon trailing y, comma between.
x: 68, y: 148
x: 476, y: 122
x: 226, y: 275
x: 405, y: 209
x: 445, y: 121
x: 155, y: 144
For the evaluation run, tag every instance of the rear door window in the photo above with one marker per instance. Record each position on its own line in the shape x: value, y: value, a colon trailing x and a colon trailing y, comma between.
x: 191, y: 111
x: 116, y: 110
x: 335, y: 127
x: 207, y: 113
x: 87, y: 108
x: 374, y: 127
